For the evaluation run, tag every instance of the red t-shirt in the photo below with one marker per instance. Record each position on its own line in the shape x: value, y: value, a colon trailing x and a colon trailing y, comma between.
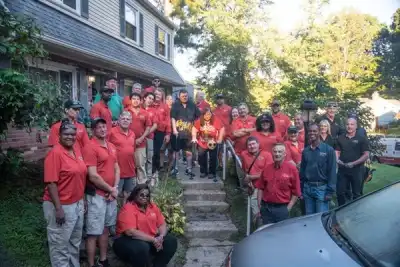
x: 82, y: 137
x: 295, y: 150
x: 164, y: 117
x: 223, y: 113
x: 263, y: 159
x: 104, y: 158
x: 140, y: 122
x: 202, y: 105
x: 68, y: 172
x: 282, y: 123
x: 239, y: 123
x: 207, y: 132
x: 132, y: 217
x: 153, y: 117
x: 125, y: 145
x: 126, y: 102
x: 101, y: 110
x: 301, y: 137
x: 267, y: 142
x: 279, y: 184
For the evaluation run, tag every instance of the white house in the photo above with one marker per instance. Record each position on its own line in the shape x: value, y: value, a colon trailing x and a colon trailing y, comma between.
x: 384, y: 110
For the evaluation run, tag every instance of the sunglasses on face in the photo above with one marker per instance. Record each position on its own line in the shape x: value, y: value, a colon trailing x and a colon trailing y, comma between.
x: 143, y: 195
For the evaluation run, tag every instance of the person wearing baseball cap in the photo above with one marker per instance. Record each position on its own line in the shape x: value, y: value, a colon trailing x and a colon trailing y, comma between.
x: 330, y: 115
x: 281, y: 120
x: 71, y: 109
x: 100, y: 157
x: 294, y: 145
x: 101, y: 109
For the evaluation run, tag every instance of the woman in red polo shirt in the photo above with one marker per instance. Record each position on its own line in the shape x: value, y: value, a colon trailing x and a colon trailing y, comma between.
x: 142, y: 232
x: 266, y: 133
x: 207, y: 132
x: 293, y: 145
x: 63, y: 207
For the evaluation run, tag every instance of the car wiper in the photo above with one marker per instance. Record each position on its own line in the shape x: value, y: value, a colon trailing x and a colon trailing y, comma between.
x: 343, y: 239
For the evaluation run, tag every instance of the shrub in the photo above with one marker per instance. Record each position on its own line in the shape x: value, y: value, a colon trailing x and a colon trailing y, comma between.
x: 167, y: 196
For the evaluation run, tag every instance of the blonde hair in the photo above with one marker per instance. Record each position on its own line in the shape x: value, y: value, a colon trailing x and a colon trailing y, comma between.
x: 327, y: 124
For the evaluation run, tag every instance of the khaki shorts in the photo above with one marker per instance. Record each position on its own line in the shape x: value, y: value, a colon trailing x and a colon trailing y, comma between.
x: 101, y: 213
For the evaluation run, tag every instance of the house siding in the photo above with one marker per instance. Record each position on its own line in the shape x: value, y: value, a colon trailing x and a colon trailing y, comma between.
x: 104, y: 16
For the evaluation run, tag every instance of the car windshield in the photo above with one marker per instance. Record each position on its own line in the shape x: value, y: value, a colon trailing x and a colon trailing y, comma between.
x: 373, y: 225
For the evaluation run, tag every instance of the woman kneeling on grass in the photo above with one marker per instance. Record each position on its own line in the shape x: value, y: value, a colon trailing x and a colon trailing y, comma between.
x: 142, y: 232
x: 65, y: 176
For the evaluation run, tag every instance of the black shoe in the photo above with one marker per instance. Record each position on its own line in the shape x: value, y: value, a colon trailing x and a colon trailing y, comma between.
x: 203, y: 175
x: 211, y: 176
x: 102, y: 263
x: 215, y: 179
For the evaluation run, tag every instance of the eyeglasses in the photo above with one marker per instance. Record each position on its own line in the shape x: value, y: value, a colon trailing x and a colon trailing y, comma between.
x: 143, y: 195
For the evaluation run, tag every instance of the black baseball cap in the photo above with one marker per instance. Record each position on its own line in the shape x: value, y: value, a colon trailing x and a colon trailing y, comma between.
x: 332, y: 104
x: 275, y: 102
x: 265, y: 117
x: 95, y: 121
x: 219, y: 96
x: 352, y: 115
x: 72, y: 104
x: 292, y: 129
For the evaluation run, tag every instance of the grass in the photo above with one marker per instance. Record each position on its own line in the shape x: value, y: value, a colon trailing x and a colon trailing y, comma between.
x: 383, y: 176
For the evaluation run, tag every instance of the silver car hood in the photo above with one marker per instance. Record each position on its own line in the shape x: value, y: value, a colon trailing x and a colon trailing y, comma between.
x: 298, y: 242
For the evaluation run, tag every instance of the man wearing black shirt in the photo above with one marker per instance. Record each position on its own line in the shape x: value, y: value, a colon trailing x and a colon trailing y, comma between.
x: 334, y: 121
x: 352, y: 151
x: 183, y: 114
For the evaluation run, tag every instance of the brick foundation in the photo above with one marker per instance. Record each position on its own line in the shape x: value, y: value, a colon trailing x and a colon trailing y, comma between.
x: 26, y: 143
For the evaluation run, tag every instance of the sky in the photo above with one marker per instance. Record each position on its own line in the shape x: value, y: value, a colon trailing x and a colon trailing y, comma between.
x: 285, y: 16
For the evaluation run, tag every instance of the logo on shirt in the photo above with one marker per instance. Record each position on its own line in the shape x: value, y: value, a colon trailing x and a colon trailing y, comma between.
x: 80, y: 131
x: 260, y: 158
x: 322, y: 154
x: 285, y: 176
x: 282, y: 121
x: 355, y: 141
x: 80, y: 158
x: 152, y: 214
x: 141, y: 117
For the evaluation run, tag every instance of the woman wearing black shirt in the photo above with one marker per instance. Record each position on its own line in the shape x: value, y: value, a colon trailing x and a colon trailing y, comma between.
x: 325, y: 133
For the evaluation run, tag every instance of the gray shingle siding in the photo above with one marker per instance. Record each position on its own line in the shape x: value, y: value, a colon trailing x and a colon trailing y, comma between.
x: 68, y: 30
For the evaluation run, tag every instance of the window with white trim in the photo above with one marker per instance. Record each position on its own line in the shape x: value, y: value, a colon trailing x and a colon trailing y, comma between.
x: 131, y: 23
x: 73, y: 4
x: 162, y: 43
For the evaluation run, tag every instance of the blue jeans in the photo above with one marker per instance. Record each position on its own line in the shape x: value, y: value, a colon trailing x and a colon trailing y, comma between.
x: 314, y: 198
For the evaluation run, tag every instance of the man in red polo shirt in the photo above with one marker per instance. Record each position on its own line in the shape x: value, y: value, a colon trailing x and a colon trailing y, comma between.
x: 155, y: 83
x: 253, y: 162
x: 153, y: 116
x: 123, y: 139
x: 103, y: 171
x: 201, y: 102
x: 101, y: 110
x: 294, y: 146
x: 278, y: 187
x: 140, y: 125
x: 163, y: 133
x: 71, y: 108
x: 242, y: 127
x: 282, y: 122
x: 299, y: 123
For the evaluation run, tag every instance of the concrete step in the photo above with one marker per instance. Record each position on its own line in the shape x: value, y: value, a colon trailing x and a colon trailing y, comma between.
x: 206, y: 207
x: 206, y: 217
x: 207, y: 252
x: 201, y: 184
x: 210, y: 195
x: 220, y: 230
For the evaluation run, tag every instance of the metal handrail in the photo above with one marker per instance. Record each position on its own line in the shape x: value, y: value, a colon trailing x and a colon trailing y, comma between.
x: 228, y: 146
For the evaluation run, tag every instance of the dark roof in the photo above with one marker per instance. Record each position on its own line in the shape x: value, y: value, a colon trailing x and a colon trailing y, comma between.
x: 61, y: 29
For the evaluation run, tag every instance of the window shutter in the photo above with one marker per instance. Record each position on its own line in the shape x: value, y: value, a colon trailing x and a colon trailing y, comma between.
x: 169, y: 46
x: 85, y: 8
x: 122, y: 17
x: 156, y: 39
x: 141, y: 29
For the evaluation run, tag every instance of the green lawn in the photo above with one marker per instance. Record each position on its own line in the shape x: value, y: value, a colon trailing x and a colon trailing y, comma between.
x: 383, y: 176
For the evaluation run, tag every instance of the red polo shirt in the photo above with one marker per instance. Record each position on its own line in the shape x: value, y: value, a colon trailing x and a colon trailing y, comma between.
x: 301, y: 137
x: 125, y: 145
x: 295, y: 150
x: 202, y: 105
x: 126, y: 102
x: 140, y: 122
x: 207, y: 131
x: 68, y: 172
x: 164, y: 117
x: 279, y: 184
x: 82, y: 137
x: 263, y: 159
x: 267, y: 142
x: 153, y: 117
x: 101, y: 110
x: 132, y: 217
x: 104, y: 158
x: 282, y: 123
x: 240, y: 123
x: 223, y: 113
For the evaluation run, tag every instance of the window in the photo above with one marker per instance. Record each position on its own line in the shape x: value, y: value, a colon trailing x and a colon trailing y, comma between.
x: 131, y: 23
x: 74, y: 4
x: 162, y: 43
x: 397, y: 146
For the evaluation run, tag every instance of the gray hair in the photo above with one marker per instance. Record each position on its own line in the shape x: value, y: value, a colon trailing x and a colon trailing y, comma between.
x: 126, y: 113
x: 201, y: 94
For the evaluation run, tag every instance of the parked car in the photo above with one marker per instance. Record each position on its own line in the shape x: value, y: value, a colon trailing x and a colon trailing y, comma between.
x: 364, y: 233
x: 391, y: 153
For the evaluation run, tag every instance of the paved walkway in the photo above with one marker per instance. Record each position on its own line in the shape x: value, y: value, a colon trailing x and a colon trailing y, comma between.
x: 208, y: 225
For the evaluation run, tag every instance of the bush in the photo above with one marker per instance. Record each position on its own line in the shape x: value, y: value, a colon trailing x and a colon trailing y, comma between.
x: 11, y: 164
x: 167, y: 196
